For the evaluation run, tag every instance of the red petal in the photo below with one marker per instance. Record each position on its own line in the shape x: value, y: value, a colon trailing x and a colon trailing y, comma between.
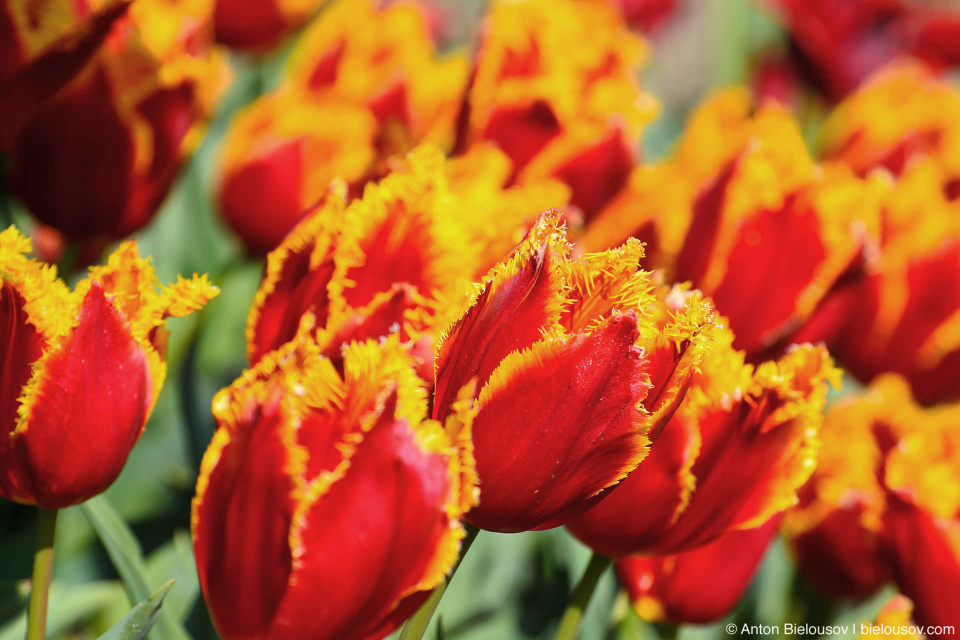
x: 88, y: 409
x: 840, y: 556
x: 616, y: 527
x: 22, y: 346
x: 261, y: 197
x: 367, y: 541
x: 699, y: 586
x: 925, y: 562
x: 242, y: 522
x: 598, y: 172
x: 557, y: 424
x: 510, y: 314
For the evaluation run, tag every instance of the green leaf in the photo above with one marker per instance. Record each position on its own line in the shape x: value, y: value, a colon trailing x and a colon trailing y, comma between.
x: 127, y: 558
x: 141, y: 618
x: 69, y: 606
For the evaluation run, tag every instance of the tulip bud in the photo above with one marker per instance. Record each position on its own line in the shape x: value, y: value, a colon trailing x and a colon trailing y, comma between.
x: 96, y: 159
x: 733, y: 456
x: 83, y: 370
x: 328, y: 505
x: 699, y: 586
x: 577, y: 362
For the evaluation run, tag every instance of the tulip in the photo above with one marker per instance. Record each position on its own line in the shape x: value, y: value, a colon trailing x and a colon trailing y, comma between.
x: 840, y: 46
x: 398, y: 260
x: 279, y: 156
x: 921, y: 525
x: 328, y: 505
x: 835, y: 529
x: 259, y: 25
x: 97, y: 158
x: 82, y: 370
x: 732, y: 457
x: 560, y: 105
x: 699, y: 586
x: 743, y: 213
x: 351, y: 99
x: 902, y: 115
x: 45, y: 45
x: 577, y: 363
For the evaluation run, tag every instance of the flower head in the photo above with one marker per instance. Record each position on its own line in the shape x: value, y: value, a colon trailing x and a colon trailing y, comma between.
x: 97, y: 158
x: 577, y: 363
x: 560, y: 105
x: 357, y: 495
x: 83, y: 369
x: 743, y: 213
x: 733, y: 456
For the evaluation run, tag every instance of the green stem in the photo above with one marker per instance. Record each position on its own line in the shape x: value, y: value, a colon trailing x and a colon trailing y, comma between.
x: 580, y: 598
x: 417, y: 625
x: 40, y: 585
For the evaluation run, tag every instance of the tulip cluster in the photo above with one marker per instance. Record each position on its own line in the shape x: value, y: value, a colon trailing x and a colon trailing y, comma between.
x: 481, y: 309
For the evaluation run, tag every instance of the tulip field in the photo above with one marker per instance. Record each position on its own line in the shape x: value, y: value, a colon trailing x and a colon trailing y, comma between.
x: 479, y: 320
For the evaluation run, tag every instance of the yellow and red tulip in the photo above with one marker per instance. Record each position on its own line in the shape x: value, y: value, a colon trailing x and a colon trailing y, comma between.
x: 733, y: 456
x: 903, y: 114
x: 719, y: 214
x: 889, y: 475
x: 560, y: 105
x: 834, y: 530
x: 357, y: 496
x: 921, y: 527
x: 393, y: 261
x: 45, y: 44
x: 82, y: 370
x: 96, y: 159
x: 576, y: 363
x: 352, y: 98
x: 838, y: 46
x: 698, y: 586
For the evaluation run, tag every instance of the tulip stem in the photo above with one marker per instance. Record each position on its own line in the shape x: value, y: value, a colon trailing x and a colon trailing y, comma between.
x: 580, y: 598
x: 40, y: 585
x: 417, y: 625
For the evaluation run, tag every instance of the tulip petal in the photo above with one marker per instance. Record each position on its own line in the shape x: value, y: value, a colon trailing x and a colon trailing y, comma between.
x: 367, y: 535
x: 520, y: 299
x: 558, y: 423
x: 85, y: 407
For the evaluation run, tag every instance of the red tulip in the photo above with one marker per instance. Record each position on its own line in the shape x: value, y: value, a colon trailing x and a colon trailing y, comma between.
x: 577, y: 363
x: 97, y: 158
x: 328, y: 506
x: 699, y: 586
x: 393, y: 262
x: 840, y: 45
x: 743, y: 213
x: 259, y: 25
x: 45, y: 45
x: 733, y: 456
x: 82, y: 370
x: 352, y: 98
x: 560, y: 105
